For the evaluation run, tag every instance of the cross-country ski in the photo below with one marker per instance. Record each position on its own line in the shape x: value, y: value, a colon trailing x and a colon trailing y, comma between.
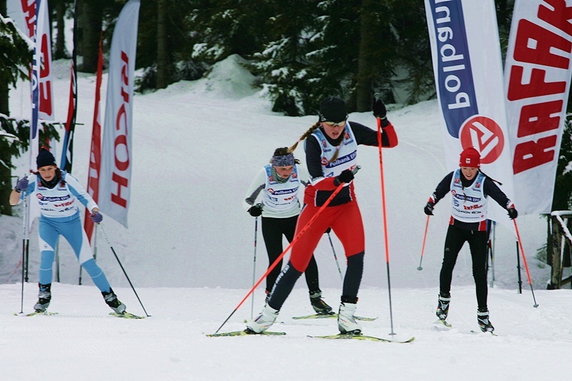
x: 246, y: 333
x: 341, y: 336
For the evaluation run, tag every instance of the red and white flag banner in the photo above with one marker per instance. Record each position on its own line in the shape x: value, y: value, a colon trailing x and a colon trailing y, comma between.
x: 38, y: 28
x: 29, y: 11
x: 117, y: 160
x: 95, y: 152
x: 537, y: 80
x: 468, y: 78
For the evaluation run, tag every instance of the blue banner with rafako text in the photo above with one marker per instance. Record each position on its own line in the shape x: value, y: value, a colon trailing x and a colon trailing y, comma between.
x: 455, y: 82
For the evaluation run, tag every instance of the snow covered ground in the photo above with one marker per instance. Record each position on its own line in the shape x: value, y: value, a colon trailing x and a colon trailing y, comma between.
x: 82, y: 342
x: 189, y: 252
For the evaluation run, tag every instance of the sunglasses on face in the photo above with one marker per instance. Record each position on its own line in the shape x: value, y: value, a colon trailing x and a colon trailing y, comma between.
x: 334, y: 124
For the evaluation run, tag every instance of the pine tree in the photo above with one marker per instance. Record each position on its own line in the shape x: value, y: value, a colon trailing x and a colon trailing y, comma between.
x: 15, y: 58
x: 282, y: 65
x: 226, y: 27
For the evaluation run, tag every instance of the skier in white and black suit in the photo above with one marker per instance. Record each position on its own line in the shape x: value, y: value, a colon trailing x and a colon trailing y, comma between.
x: 469, y: 189
x: 277, y: 185
x: 58, y: 195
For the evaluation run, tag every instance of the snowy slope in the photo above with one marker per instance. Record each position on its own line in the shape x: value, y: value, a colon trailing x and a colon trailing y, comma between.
x: 197, y: 146
x: 189, y: 252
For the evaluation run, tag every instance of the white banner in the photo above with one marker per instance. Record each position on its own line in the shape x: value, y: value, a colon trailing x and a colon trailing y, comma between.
x: 116, y: 155
x: 469, y: 81
x: 537, y: 80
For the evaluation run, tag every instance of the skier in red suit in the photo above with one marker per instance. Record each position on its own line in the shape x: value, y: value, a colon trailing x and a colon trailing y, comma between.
x: 331, y: 157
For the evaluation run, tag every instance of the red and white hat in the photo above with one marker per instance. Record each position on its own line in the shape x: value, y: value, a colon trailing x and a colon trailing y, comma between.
x: 470, y: 157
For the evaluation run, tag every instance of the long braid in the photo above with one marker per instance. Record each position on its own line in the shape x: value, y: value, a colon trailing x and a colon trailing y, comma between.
x: 304, y: 136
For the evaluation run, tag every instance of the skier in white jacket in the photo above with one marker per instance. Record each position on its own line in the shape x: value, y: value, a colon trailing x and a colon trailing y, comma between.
x: 277, y: 186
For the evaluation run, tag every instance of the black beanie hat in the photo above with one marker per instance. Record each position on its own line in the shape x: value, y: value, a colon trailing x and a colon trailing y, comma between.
x: 44, y: 158
x: 333, y: 109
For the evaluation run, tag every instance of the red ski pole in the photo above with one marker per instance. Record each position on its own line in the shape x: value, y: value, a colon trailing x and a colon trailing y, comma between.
x: 423, y: 244
x: 275, y: 263
x: 524, y: 261
x: 384, y: 213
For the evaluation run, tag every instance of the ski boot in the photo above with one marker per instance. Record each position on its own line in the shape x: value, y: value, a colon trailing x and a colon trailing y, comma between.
x: 44, y: 297
x: 318, y: 304
x: 443, y: 307
x: 483, y: 320
x: 346, y: 320
x: 266, y: 318
x: 112, y: 301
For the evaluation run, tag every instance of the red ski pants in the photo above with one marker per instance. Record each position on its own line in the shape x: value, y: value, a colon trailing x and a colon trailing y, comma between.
x: 345, y: 220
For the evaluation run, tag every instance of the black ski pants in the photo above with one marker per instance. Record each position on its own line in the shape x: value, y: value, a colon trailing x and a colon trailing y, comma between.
x: 272, y: 230
x: 454, y: 241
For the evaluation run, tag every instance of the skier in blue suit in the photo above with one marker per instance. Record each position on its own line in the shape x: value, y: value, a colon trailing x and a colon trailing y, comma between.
x: 58, y: 195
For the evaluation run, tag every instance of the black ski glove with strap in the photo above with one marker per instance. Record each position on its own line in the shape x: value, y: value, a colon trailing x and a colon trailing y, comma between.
x: 255, y: 210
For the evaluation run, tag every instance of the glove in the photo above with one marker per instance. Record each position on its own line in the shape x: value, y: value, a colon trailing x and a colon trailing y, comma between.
x: 379, y: 110
x: 512, y: 213
x: 96, y: 217
x: 345, y: 177
x: 255, y: 210
x: 22, y: 184
x: 429, y: 208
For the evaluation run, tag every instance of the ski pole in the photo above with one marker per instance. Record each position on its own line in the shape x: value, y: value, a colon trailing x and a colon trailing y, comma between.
x: 123, y: 269
x: 524, y: 261
x: 420, y: 267
x: 492, y: 250
x: 254, y: 265
x: 25, y: 249
x: 518, y: 269
x: 335, y: 256
x: 279, y: 258
x: 384, y: 212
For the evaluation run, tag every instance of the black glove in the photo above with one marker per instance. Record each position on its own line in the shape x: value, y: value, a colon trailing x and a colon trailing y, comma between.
x: 345, y: 177
x: 379, y: 110
x: 255, y: 210
x: 429, y: 208
x: 512, y: 213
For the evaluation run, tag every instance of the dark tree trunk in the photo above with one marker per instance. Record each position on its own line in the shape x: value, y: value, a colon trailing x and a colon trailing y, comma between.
x: 365, y: 64
x: 162, y: 46
x: 60, y: 43
x: 91, y: 21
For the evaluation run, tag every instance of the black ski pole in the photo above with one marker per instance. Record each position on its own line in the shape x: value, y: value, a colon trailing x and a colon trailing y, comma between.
x: 335, y: 256
x: 518, y: 269
x: 491, y: 246
x: 254, y: 265
x: 25, y: 248
x: 123, y: 269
